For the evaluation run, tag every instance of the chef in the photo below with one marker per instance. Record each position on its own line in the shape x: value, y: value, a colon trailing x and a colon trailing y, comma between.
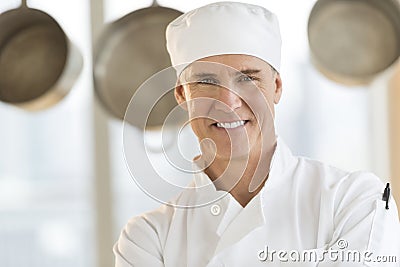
x: 251, y: 202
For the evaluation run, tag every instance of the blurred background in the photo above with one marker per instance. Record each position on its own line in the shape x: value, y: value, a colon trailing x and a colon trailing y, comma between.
x: 65, y: 190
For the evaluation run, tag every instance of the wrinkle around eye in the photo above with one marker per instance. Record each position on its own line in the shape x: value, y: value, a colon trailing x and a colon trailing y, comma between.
x: 248, y: 78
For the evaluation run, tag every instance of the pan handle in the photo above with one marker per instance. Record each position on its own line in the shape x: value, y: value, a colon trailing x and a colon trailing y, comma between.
x: 23, y: 4
x: 155, y: 4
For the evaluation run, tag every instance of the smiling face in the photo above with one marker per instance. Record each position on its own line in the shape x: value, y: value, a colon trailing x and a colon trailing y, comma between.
x: 230, y: 100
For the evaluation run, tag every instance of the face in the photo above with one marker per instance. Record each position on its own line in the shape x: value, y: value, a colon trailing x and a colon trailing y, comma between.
x: 230, y: 100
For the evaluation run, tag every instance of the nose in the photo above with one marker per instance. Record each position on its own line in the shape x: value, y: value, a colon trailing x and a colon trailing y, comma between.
x: 227, y: 100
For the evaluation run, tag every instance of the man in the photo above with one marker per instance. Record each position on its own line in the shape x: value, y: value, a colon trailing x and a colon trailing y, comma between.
x: 253, y: 203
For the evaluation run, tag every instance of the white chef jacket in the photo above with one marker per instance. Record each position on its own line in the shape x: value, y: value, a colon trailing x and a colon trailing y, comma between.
x: 304, y: 206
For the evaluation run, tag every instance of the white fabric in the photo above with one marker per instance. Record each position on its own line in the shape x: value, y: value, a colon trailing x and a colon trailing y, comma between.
x: 304, y: 205
x: 224, y: 28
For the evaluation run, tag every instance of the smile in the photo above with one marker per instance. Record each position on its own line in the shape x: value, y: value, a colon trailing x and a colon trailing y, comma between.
x: 230, y: 125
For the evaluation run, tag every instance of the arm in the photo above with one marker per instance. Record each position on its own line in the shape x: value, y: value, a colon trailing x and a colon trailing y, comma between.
x: 363, y: 223
x: 138, y: 245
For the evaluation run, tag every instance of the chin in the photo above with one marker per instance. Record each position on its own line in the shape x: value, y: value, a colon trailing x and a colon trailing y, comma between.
x: 240, y: 152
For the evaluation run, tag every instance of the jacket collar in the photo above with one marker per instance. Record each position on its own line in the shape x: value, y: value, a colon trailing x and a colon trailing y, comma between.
x: 282, y: 161
x: 232, y: 227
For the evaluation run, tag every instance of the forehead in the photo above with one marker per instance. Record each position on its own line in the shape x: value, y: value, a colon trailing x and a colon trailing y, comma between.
x: 227, y: 63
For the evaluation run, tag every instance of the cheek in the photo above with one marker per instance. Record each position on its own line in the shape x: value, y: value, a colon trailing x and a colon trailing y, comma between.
x: 199, y: 105
x: 259, y: 101
x: 199, y: 108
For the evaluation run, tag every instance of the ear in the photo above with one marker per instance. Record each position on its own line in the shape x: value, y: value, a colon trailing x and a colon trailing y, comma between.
x: 180, y: 96
x: 278, y: 88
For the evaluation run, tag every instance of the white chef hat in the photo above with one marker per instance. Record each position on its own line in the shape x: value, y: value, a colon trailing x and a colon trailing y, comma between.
x: 224, y: 28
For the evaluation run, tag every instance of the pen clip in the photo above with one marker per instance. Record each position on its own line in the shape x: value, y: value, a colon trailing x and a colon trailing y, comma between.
x: 386, y: 195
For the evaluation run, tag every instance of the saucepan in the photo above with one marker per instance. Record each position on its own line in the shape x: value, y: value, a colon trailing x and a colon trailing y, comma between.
x: 352, y: 41
x: 38, y: 63
x: 129, y: 51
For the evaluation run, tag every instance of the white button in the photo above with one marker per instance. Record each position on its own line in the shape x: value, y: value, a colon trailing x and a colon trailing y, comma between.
x: 215, y: 210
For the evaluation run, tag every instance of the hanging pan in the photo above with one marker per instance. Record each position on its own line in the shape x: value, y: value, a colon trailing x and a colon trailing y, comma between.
x: 352, y: 41
x: 129, y: 51
x: 38, y: 63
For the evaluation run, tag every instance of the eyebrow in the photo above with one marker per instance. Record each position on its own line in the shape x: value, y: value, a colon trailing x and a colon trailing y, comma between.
x: 204, y: 74
x: 249, y: 71
x: 210, y: 74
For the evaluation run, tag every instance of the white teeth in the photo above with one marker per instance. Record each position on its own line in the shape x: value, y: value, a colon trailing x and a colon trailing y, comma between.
x: 230, y: 125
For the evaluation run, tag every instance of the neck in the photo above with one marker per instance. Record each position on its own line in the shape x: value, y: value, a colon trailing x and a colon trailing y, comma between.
x: 243, y: 177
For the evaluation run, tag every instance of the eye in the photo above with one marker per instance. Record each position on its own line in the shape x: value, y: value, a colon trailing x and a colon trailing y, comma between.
x: 247, y: 78
x: 208, y: 81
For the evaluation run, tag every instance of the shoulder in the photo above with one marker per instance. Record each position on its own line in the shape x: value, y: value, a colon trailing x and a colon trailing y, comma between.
x: 140, y: 241
x: 156, y: 223
x: 150, y: 226
x: 352, y: 203
x: 338, y: 180
x: 338, y: 189
x: 357, y: 193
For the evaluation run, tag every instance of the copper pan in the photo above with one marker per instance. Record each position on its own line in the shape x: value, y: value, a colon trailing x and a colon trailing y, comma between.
x: 38, y: 63
x: 129, y: 51
x: 352, y: 41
